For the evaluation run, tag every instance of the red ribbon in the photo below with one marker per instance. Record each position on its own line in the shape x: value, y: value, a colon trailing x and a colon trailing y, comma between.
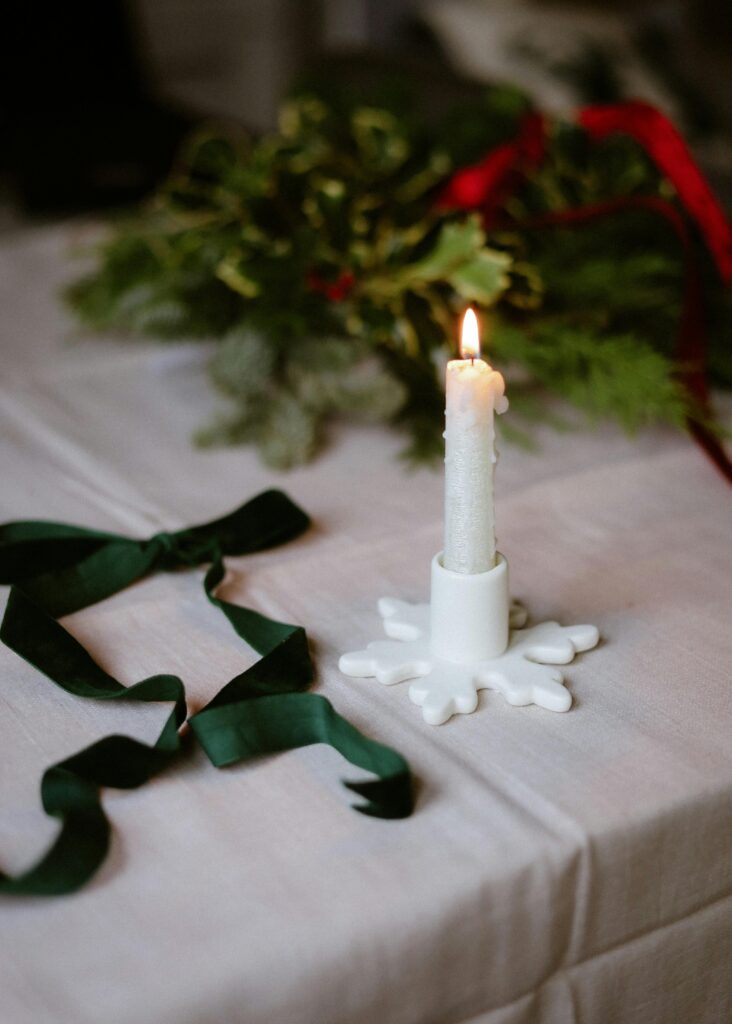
x: 486, y: 186
x: 664, y: 145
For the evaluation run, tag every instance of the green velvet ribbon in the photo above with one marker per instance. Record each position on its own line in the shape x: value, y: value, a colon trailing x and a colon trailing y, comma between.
x: 56, y: 569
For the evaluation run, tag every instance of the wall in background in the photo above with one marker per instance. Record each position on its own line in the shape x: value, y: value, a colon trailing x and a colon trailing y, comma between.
x: 234, y: 58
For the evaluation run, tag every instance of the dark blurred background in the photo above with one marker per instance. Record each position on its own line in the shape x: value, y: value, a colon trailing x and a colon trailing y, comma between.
x: 96, y: 96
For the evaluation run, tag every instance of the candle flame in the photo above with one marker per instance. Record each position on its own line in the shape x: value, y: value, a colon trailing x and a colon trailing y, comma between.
x: 470, y: 336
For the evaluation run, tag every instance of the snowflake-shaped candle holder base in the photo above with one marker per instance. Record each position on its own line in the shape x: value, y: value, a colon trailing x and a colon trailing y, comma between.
x: 469, y: 638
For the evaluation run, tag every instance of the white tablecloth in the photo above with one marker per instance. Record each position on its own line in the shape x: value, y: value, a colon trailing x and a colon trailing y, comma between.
x: 558, y: 868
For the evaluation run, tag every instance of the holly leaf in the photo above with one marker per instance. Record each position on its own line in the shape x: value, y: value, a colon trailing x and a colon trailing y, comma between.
x: 459, y: 257
x: 229, y: 270
x: 457, y: 243
x: 483, y: 278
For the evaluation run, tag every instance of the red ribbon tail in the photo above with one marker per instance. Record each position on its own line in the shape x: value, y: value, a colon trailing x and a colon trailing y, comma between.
x: 665, y: 145
x: 691, y: 342
x: 712, y: 447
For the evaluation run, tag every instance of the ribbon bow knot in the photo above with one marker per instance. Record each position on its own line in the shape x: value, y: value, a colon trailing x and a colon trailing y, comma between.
x: 65, y: 568
x: 183, y: 549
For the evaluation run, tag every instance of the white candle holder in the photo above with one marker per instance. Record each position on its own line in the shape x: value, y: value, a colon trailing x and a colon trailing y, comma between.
x: 469, y: 638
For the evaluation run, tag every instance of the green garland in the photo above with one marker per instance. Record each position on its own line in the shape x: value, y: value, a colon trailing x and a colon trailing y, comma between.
x: 318, y: 264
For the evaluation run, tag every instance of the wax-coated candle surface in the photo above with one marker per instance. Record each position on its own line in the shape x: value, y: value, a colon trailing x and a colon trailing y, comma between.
x: 474, y: 393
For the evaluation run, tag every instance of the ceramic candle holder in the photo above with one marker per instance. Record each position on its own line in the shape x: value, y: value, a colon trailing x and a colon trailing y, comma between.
x: 470, y: 637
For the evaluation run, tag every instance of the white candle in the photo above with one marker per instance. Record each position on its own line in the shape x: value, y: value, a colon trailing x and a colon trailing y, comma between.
x: 475, y: 391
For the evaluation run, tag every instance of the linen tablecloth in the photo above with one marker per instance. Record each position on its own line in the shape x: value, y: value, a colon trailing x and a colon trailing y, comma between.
x: 557, y: 869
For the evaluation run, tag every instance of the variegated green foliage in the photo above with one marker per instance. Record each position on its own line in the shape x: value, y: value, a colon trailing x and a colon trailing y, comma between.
x: 318, y: 264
